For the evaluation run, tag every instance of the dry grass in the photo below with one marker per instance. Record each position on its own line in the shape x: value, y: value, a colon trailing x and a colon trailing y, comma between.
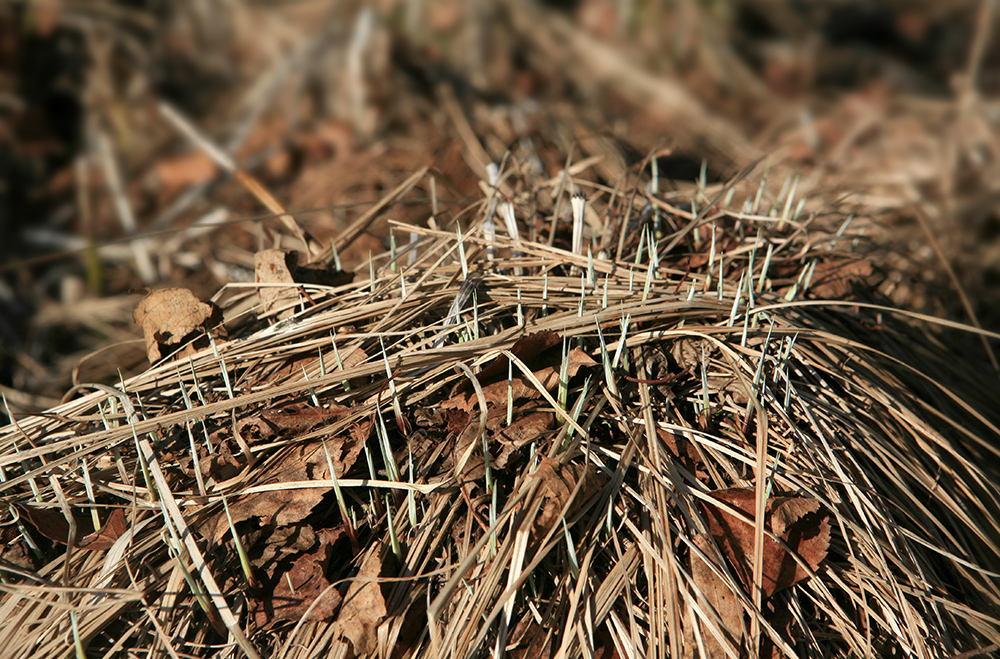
x: 575, y: 539
x: 503, y: 443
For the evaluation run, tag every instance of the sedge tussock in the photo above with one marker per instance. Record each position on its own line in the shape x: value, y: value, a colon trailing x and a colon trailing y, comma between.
x: 715, y: 438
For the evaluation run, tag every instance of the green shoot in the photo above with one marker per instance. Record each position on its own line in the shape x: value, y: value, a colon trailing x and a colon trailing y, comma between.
x: 763, y: 270
x: 312, y: 392
x: 393, y: 537
x: 341, y: 501
x: 222, y: 366
x: 574, y: 564
x: 240, y: 550
x: 340, y: 362
x: 336, y: 256
x: 609, y: 375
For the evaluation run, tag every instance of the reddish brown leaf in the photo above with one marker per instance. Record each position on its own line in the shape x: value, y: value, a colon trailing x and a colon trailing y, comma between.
x: 271, y: 266
x: 52, y: 524
x: 364, y: 606
x: 805, y: 528
x: 113, y: 528
x: 301, y: 417
x: 520, y: 387
x: 834, y: 280
x: 722, y: 599
x: 523, y: 430
x: 168, y: 316
x: 282, y: 507
x: 560, y: 481
x: 527, y: 349
x: 49, y: 522
x: 171, y: 175
x: 295, y: 589
x: 800, y: 522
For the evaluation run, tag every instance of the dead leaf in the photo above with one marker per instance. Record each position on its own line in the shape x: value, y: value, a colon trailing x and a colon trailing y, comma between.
x: 527, y: 349
x: 525, y: 429
x: 519, y: 387
x: 801, y: 523
x: 301, y: 417
x: 364, y: 606
x: 171, y: 175
x: 281, y: 507
x: 52, y: 524
x: 49, y: 522
x: 560, y: 481
x: 723, y: 600
x: 168, y: 316
x: 274, y: 266
x: 293, y: 590
x: 836, y: 280
x: 804, y: 526
x: 113, y: 528
x: 681, y: 448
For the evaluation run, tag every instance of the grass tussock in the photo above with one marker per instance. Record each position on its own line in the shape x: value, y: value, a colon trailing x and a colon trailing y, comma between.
x: 559, y: 423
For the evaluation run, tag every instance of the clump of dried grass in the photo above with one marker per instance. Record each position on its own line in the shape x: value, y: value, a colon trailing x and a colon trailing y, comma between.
x: 553, y: 504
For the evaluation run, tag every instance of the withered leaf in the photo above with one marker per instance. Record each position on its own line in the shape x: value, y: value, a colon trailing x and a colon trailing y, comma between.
x: 527, y: 349
x: 723, y: 600
x: 364, y: 606
x: 801, y: 523
x: 281, y: 507
x: 168, y: 316
x: 293, y: 590
x: 833, y: 280
x: 560, y: 481
x: 521, y: 387
x: 523, y: 430
x: 300, y: 417
x: 52, y: 524
x: 272, y: 266
x: 113, y: 528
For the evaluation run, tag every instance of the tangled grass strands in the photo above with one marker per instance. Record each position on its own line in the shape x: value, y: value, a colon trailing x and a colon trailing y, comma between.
x: 613, y: 415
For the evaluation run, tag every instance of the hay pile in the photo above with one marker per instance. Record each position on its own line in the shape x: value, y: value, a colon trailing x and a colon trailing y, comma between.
x: 567, y: 421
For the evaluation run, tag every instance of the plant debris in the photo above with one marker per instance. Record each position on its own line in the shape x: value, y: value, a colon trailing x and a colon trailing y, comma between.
x: 575, y: 448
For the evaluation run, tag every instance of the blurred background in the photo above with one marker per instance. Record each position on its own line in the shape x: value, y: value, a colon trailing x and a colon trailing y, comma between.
x: 111, y: 111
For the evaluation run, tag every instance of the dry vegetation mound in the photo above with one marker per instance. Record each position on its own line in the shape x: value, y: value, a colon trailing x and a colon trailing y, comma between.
x: 588, y: 346
x: 700, y: 434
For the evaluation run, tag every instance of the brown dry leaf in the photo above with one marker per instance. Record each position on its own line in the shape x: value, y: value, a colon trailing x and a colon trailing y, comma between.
x: 271, y: 266
x: 168, y: 316
x: 681, y: 448
x: 283, y: 507
x: 531, y: 641
x: 801, y: 524
x: 52, y: 524
x: 520, y: 387
x: 113, y: 528
x: 364, y: 606
x: 14, y: 549
x: 549, y: 377
x: 779, y: 615
x: 295, y: 589
x: 301, y: 417
x: 171, y: 175
x: 722, y: 599
x: 523, y: 430
x: 528, y: 348
x: 805, y: 527
x: 687, y: 352
x: 295, y: 419
x: 49, y: 522
x: 835, y: 280
x: 560, y: 481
